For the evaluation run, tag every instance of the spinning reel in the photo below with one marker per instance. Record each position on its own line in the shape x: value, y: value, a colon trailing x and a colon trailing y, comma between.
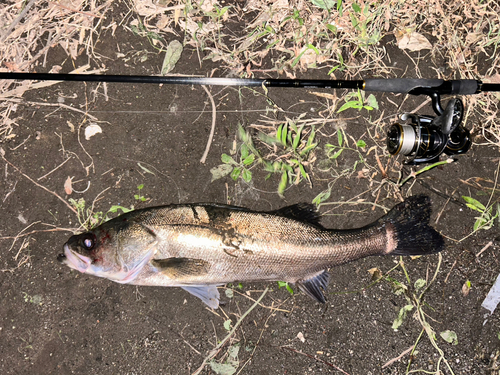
x: 424, y: 138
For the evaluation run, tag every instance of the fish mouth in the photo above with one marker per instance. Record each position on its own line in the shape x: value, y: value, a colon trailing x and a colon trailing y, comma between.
x: 74, y: 260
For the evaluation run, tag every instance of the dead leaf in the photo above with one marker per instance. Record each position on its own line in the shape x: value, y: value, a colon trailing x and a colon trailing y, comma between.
x: 376, y: 273
x: 412, y: 41
x: 466, y: 288
x: 68, y: 188
x: 301, y: 337
x: 92, y: 130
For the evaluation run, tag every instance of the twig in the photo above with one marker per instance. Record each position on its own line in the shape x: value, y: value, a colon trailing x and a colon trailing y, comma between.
x: 388, y: 363
x: 261, y: 305
x: 451, y: 269
x: 216, y: 350
x: 17, y: 20
x: 53, y: 170
x: 57, y: 229
x: 484, y: 248
x: 315, y: 358
x: 212, y: 131
x: 36, y: 183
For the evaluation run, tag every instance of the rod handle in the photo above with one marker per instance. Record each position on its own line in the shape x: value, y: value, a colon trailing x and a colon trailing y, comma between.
x: 422, y: 86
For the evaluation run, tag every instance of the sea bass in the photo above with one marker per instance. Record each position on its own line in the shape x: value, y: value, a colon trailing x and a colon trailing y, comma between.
x: 201, y: 246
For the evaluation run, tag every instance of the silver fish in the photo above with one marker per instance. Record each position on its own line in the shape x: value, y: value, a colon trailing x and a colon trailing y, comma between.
x: 201, y: 246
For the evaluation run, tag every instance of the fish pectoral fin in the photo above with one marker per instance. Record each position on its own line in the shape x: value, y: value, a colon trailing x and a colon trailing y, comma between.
x: 207, y: 293
x: 313, y: 284
x: 181, y: 268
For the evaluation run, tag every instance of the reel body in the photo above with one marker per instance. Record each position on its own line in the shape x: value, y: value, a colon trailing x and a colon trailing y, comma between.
x: 424, y: 138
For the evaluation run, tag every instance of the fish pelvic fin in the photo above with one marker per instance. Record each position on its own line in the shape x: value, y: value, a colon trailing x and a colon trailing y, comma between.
x: 408, y: 229
x: 313, y: 284
x: 207, y: 293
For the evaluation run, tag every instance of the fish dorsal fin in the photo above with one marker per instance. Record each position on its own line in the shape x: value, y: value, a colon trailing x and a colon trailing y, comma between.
x: 181, y: 268
x: 207, y: 293
x: 301, y: 211
x: 313, y: 284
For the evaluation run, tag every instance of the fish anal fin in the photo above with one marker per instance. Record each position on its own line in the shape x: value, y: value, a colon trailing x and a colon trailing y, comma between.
x: 207, y: 293
x: 181, y: 268
x: 313, y: 284
x: 305, y: 212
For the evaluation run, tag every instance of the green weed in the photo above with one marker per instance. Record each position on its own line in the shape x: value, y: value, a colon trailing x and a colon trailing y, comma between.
x: 357, y: 100
x: 89, y: 219
x: 333, y: 152
x: 282, y: 284
x: 139, y: 196
x: 488, y: 214
x: 415, y: 302
x: 293, y: 147
x: 238, y: 168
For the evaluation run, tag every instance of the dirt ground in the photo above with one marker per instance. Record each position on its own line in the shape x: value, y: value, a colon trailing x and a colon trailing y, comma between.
x: 57, y: 321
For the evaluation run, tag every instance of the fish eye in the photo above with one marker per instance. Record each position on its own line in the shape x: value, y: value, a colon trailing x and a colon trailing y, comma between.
x: 88, y: 243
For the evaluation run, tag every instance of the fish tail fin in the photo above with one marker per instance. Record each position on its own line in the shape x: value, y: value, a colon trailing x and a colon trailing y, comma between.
x: 408, y: 229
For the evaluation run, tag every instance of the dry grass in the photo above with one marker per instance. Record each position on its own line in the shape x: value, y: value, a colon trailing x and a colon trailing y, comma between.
x: 457, y: 39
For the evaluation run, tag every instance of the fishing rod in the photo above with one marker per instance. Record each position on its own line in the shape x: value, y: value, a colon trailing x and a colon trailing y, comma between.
x: 422, y: 138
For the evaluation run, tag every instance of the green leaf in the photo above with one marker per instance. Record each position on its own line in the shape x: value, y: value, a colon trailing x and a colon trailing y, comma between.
x: 227, y: 325
x: 283, y: 183
x: 268, y: 167
x: 282, y: 284
x: 324, y: 4
x: 296, y: 139
x: 401, y: 316
x: 249, y: 159
x: 310, y: 139
x: 278, y: 132
x: 140, y: 187
x: 480, y: 224
x: 244, y: 151
x: 321, y: 197
x: 247, y: 175
x: 284, y: 134
x: 337, y: 154
x: 173, y: 54
x: 340, y: 137
x: 361, y: 143
x: 419, y: 284
x: 356, y: 8
x: 227, y: 159
x: 222, y: 368
x: 235, y: 173
x: 450, y: 337
x: 220, y: 171
x: 115, y: 208
x: 303, y: 172
x: 350, y: 104
x: 474, y: 204
x: 307, y: 149
x: 372, y: 101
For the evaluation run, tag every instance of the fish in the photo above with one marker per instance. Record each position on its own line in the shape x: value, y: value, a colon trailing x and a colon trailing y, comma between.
x: 199, y: 247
